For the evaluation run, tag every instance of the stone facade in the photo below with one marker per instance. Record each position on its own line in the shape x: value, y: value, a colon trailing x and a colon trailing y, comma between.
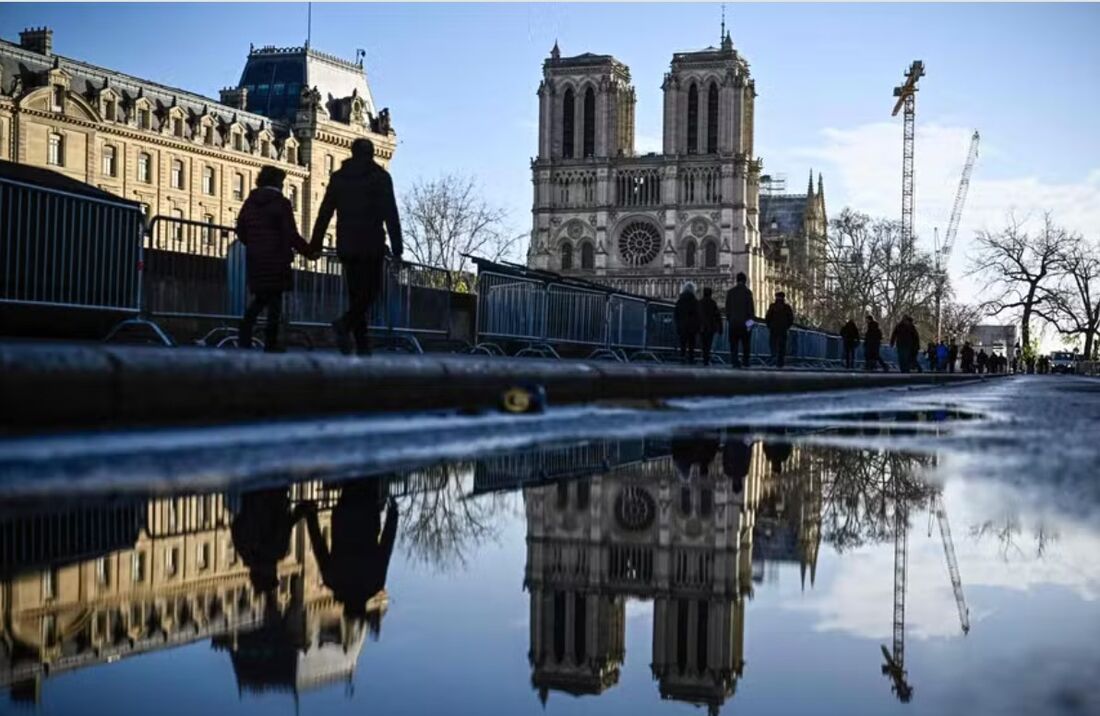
x: 178, y: 153
x: 646, y: 224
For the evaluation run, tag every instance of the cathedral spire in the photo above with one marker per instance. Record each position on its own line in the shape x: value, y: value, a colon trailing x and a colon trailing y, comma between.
x: 810, y: 187
x: 555, y: 53
x: 820, y: 185
x: 724, y: 40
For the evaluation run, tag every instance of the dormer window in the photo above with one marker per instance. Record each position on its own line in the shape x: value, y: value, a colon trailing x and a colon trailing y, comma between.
x: 58, y: 98
x: 208, y: 135
x: 110, y: 110
x: 238, y: 142
x: 292, y: 155
x: 265, y: 148
x: 177, y: 126
x: 145, y: 118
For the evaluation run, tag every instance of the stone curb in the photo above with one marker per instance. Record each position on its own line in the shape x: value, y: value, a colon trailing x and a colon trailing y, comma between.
x: 68, y: 385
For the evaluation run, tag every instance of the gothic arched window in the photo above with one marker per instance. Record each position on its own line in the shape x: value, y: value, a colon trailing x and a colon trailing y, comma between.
x: 567, y: 111
x: 689, y: 255
x: 712, y: 118
x: 566, y: 256
x: 693, y: 119
x: 710, y: 255
x: 589, y: 123
x: 588, y: 256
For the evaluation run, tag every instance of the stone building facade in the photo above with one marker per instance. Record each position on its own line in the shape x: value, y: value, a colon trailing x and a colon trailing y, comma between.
x: 647, y: 223
x: 176, y: 152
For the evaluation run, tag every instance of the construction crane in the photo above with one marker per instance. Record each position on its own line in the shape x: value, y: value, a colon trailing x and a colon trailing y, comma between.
x: 942, y: 252
x: 949, y: 554
x: 895, y: 659
x: 907, y: 96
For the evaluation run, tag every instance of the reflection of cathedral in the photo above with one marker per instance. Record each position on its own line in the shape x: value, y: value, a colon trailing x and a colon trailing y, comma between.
x: 84, y: 586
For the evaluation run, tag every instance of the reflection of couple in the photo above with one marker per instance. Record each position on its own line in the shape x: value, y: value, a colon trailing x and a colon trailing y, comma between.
x: 353, y: 564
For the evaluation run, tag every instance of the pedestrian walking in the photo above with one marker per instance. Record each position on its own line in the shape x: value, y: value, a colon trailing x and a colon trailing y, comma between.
x: 779, y: 318
x: 688, y: 322
x: 270, y: 236
x: 711, y: 323
x: 967, y: 357
x: 983, y: 361
x: 952, y: 355
x: 906, y: 340
x: 740, y: 313
x: 360, y: 193
x: 872, y: 345
x: 941, y: 357
x: 849, y: 335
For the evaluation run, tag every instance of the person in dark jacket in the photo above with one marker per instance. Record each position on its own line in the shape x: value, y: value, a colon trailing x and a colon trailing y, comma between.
x: 779, y: 318
x: 849, y: 335
x: 982, y: 360
x: 952, y: 355
x: 688, y: 322
x: 740, y: 312
x: 872, y: 345
x: 261, y: 534
x: 270, y: 236
x: 967, y: 357
x: 361, y: 195
x: 905, y: 338
x: 354, y: 567
x: 711, y: 320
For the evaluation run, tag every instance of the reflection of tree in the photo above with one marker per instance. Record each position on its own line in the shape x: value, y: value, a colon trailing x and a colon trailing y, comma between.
x: 1007, y: 530
x: 441, y: 524
x: 860, y: 494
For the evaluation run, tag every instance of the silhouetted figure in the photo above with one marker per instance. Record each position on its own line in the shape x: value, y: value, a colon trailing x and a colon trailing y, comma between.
x: 941, y: 357
x: 354, y: 566
x: 983, y: 361
x: 688, y: 322
x: 740, y: 312
x: 906, y: 339
x: 270, y: 235
x: 361, y: 195
x: 736, y: 460
x: 779, y: 318
x: 872, y: 345
x: 711, y: 323
x: 930, y: 355
x: 849, y: 335
x: 777, y: 454
x: 967, y: 357
x: 952, y: 355
x: 261, y: 534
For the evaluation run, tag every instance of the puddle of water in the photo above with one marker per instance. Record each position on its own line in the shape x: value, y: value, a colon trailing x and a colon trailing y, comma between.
x: 930, y: 415
x: 714, y: 569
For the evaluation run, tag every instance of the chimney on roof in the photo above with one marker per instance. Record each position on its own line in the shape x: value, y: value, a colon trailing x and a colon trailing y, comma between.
x: 37, y: 39
x: 235, y: 97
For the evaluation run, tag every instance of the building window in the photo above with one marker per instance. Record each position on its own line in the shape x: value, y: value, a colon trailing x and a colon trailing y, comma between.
x: 177, y: 126
x: 329, y: 163
x: 238, y: 186
x: 177, y: 234
x: 238, y: 142
x: 102, y: 571
x: 689, y: 255
x: 292, y: 155
x: 566, y: 256
x: 208, y: 230
x: 137, y: 566
x: 567, y: 134
x: 710, y: 255
x: 208, y: 186
x: 589, y: 123
x: 588, y: 256
x: 145, y: 168
x: 208, y: 134
x: 56, y: 155
x: 292, y: 191
x: 202, y: 556
x: 109, y: 110
x: 171, y: 561
x: 110, y: 161
x: 49, y: 584
x: 177, y: 174
x: 265, y: 148
x: 58, y: 98
x: 712, y: 119
x: 693, y: 119
x: 145, y: 118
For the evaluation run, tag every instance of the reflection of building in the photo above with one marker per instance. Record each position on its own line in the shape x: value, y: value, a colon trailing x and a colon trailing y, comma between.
x: 675, y: 530
x: 788, y: 515
x: 85, y: 586
x: 178, y: 153
x: 646, y: 223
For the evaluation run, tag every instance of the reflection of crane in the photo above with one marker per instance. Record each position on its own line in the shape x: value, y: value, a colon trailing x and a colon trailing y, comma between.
x: 942, y: 252
x: 907, y: 95
x: 895, y: 661
x: 949, y: 554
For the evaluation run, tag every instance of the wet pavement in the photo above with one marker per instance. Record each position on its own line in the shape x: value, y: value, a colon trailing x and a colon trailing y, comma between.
x: 925, y: 550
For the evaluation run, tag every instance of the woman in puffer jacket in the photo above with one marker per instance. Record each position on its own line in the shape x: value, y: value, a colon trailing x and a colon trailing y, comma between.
x: 267, y: 229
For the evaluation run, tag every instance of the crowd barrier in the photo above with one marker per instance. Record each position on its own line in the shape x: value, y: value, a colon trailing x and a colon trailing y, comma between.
x: 68, y: 250
x: 197, y: 270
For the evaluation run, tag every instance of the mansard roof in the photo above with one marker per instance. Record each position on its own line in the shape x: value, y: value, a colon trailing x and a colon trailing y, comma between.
x: 274, y: 77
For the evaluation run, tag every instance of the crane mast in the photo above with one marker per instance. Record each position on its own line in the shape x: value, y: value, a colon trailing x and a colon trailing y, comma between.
x: 907, y: 96
x: 942, y: 252
x: 952, y: 564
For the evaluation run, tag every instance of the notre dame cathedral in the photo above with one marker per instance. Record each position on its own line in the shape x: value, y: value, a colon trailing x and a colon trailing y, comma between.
x: 700, y: 211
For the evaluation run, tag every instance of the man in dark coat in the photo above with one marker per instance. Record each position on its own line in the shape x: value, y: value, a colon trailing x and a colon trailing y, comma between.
x: 361, y: 194
x: 740, y: 311
x: 737, y: 459
x: 982, y: 360
x: 872, y: 344
x: 779, y: 318
x: 849, y: 335
x: 261, y: 534
x: 270, y: 236
x: 688, y: 322
x: 967, y: 360
x: 711, y: 323
x: 952, y: 355
x: 906, y: 339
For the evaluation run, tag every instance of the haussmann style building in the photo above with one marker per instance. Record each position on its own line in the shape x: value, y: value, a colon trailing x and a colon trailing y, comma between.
x: 701, y: 210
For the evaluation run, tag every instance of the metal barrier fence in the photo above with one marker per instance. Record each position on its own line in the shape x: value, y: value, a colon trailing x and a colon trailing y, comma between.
x: 198, y: 270
x: 68, y: 250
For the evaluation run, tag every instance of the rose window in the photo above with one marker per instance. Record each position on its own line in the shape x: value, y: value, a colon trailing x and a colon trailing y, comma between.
x: 639, y: 243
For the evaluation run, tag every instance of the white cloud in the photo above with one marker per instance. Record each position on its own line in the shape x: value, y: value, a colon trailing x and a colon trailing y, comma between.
x: 862, y: 168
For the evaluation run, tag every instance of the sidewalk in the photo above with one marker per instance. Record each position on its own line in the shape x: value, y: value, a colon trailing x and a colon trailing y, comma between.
x: 72, y: 385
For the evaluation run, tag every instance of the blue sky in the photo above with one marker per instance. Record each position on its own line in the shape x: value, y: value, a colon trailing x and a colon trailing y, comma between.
x: 461, y: 79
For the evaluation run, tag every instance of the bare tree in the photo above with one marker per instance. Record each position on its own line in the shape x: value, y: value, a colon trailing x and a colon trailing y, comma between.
x: 446, y: 218
x: 959, y: 319
x: 1020, y: 268
x: 870, y: 269
x: 1073, y: 307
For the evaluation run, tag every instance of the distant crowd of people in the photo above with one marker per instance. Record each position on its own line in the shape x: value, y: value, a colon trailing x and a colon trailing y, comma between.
x: 940, y: 356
